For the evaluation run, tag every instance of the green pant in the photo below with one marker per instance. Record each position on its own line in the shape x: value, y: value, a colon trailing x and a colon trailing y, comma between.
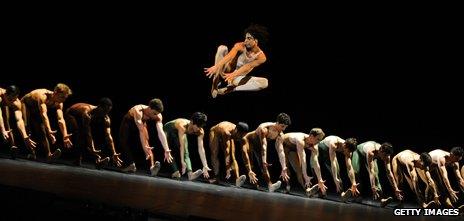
x: 358, y: 158
x: 174, y: 143
x: 325, y: 157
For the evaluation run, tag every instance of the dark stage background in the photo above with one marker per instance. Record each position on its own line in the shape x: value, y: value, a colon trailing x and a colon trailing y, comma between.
x: 370, y: 75
x: 384, y: 76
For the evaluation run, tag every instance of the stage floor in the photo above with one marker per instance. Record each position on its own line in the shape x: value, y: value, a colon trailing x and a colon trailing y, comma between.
x: 183, y: 200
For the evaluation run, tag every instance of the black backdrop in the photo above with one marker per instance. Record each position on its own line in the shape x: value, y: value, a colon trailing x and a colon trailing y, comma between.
x: 390, y: 76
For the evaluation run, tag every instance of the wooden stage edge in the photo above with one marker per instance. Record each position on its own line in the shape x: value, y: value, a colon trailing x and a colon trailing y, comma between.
x: 178, y: 198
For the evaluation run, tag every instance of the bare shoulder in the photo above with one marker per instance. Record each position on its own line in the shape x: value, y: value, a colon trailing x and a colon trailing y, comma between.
x: 39, y: 95
x: 136, y: 112
x: 107, y: 121
x: 87, y: 107
x: 280, y: 138
x: 370, y: 155
x: 387, y: 160
x: 262, y: 56
x: 159, y: 118
x: 180, y: 124
x: 17, y: 104
x: 59, y: 106
x: 81, y: 107
x: 288, y: 136
x: 219, y: 128
x: 201, y: 132
x: 222, y: 124
x: 295, y: 138
x: 262, y: 129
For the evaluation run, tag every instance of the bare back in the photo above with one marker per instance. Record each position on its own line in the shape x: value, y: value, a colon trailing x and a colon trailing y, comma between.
x: 332, y: 141
x: 369, y: 148
x: 438, y: 157
x: 80, y: 109
x: 406, y: 157
x: 38, y: 97
x: 268, y: 130
x: 14, y: 105
x: 291, y: 140
x: 137, y: 113
x: 223, y: 129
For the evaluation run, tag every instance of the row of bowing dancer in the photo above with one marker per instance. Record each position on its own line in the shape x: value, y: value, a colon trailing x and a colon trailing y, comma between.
x: 425, y: 174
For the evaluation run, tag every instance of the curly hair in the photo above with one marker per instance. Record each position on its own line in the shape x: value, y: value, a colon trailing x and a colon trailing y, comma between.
x: 258, y: 32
